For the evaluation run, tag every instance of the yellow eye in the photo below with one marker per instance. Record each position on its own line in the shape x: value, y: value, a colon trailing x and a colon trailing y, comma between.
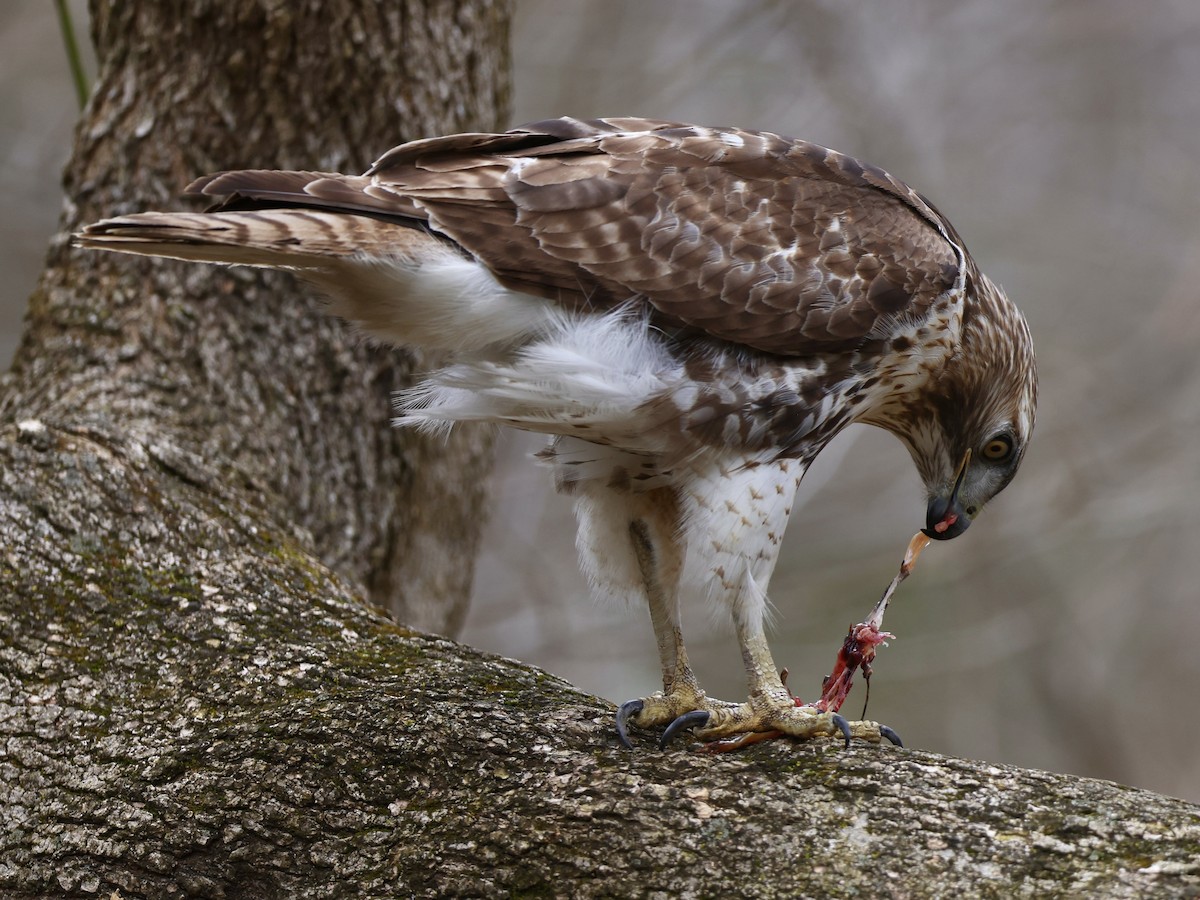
x: 998, y: 449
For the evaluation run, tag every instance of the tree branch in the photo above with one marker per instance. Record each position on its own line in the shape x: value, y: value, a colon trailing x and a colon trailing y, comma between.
x: 190, y: 705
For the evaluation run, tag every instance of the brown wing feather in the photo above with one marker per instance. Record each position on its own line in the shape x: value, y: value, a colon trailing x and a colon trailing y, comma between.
x: 775, y: 243
x: 254, y: 189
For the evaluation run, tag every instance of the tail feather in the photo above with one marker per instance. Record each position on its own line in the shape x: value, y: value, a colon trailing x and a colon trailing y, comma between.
x: 371, y: 251
x: 265, y: 188
x: 277, y: 238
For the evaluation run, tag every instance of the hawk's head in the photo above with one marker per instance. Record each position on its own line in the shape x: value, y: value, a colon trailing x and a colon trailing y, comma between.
x: 978, y: 413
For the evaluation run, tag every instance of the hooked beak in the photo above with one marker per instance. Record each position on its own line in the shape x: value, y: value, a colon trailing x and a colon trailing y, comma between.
x: 945, y: 517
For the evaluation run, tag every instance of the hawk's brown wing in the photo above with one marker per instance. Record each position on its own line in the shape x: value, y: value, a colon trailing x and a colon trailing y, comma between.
x: 753, y: 238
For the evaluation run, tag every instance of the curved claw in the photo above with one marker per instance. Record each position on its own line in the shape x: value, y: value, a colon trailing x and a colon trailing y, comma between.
x: 844, y: 727
x: 625, y: 712
x: 695, y: 718
x: 886, y: 732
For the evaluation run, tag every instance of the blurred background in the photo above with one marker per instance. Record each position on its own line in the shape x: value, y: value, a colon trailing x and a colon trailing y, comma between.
x: 1063, y: 140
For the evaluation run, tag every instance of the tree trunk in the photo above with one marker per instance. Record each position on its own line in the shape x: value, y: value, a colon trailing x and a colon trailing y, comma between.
x: 238, y: 371
x: 197, y: 485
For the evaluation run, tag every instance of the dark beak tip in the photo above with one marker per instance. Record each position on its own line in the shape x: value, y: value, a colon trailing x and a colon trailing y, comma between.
x: 948, y: 533
x: 939, y: 511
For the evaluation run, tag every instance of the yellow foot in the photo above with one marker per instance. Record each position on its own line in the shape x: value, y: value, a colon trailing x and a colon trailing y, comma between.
x: 769, y: 715
x: 665, y: 709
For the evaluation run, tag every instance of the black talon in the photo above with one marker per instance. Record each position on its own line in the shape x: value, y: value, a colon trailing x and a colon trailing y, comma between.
x: 625, y: 712
x: 891, y: 735
x: 695, y: 718
x: 843, y: 727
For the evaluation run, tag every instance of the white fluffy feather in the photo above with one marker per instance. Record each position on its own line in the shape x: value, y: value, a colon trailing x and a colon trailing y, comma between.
x: 601, y: 375
x: 442, y: 301
x: 734, y: 516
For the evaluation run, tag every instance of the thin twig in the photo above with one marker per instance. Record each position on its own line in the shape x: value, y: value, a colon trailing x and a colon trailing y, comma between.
x: 67, y: 27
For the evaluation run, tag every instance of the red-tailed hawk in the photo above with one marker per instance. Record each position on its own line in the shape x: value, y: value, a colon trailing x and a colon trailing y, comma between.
x: 690, y: 313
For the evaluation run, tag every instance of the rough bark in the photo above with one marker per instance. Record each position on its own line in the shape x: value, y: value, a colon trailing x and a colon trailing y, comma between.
x: 185, y: 715
x: 196, y: 482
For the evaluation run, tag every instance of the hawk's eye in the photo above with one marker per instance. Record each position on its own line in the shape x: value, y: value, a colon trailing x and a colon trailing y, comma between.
x: 998, y: 449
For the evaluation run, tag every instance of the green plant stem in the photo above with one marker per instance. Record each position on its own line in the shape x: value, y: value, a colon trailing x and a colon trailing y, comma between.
x: 72, y: 46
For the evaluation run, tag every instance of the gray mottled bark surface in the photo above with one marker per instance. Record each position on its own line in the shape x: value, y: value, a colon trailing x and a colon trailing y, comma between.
x: 186, y: 715
x: 197, y: 486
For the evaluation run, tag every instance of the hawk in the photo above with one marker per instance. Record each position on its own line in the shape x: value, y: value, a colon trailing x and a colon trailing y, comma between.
x: 690, y: 314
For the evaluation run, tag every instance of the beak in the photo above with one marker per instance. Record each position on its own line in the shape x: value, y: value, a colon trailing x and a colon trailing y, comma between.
x: 945, y: 518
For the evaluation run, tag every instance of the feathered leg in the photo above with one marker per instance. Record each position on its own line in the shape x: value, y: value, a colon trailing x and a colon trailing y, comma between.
x: 736, y: 513
x: 654, y: 537
x: 628, y: 546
